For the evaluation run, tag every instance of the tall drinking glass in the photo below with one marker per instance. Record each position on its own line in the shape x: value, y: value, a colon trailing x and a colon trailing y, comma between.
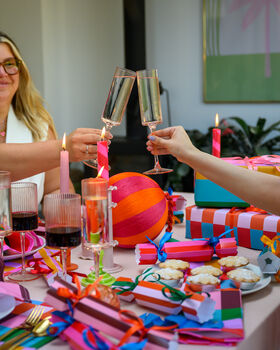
x: 25, y: 218
x: 150, y: 108
x: 95, y: 217
x: 116, y: 102
x: 5, y: 208
x: 62, y: 212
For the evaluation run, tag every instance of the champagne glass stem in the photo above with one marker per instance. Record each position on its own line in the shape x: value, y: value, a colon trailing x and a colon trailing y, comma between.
x: 152, y: 128
x: 22, y: 243
x: 64, y: 262
x: 96, y: 257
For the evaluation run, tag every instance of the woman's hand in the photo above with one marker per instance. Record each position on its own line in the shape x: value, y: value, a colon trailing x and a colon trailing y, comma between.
x: 173, y: 140
x: 81, y: 143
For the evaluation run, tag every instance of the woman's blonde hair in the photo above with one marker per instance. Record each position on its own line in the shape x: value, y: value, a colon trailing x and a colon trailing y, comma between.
x: 27, y: 101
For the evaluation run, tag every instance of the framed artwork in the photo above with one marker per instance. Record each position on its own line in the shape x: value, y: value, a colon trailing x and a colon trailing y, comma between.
x: 241, y: 51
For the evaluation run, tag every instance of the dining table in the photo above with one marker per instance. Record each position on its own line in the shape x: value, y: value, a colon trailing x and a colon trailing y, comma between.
x: 261, y: 309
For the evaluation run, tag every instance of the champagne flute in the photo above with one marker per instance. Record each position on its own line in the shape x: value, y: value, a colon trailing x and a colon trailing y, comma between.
x: 150, y: 108
x: 116, y: 102
x: 62, y: 213
x: 96, y: 233
x: 5, y: 208
x: 25, y: 218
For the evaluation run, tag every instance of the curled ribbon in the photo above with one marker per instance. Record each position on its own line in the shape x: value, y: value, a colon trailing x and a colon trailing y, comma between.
x: 61, y: 326
x: 270, y: 243
x: 213, y: 241
x: 99, y: 343
x: 272, y: 160
x: 67, y: 293
x: 162, y: 255
x: 127, y: 286
x: 138, y: 326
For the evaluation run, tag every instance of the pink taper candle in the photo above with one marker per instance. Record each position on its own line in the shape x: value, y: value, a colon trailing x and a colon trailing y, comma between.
x: 64, y: 168
x: 102, y: 156
x: 216, y: 138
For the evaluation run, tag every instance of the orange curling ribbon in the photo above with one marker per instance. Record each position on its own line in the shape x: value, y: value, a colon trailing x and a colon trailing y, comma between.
x: 170, y: 216
x: 270, y: 243
x: 138, y: 325
x: 67, y: 293
x: 235, y: 210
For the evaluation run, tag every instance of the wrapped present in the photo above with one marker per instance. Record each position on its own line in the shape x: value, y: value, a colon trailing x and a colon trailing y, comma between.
x: 248, y: 224
x: 149, y: 294
x: 124, y: 286
x: 196, y: 250
x: 208, y: 194
x: 109, y: 319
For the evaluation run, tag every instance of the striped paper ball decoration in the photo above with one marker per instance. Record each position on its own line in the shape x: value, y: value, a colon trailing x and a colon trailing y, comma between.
x: 141, y: 209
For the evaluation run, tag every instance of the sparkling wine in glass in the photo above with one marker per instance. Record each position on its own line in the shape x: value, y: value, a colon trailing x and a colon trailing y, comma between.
x: 62, y: 213
x: 150, y: 108
x: 116, y: 102
x: 25, y: 218
x: 5, y: 208
x: 95, y: 218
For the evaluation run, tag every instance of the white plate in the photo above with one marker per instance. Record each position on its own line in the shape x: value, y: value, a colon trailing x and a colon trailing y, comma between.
x: 263, y: 282
x: 7, y: 305
x: 34, y: 250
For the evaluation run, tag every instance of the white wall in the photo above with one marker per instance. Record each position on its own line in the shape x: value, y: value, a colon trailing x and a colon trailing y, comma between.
x: 82, y: 44
x: 174, y: 46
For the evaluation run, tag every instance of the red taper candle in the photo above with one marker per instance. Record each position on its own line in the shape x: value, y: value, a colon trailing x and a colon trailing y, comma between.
x: 216, y: 138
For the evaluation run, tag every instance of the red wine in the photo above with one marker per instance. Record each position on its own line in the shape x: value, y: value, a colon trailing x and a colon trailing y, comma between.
x: 25, y: 221
x: 59, y: 237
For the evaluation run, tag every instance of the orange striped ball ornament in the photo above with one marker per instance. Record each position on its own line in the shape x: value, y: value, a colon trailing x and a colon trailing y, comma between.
x: 141, y: 209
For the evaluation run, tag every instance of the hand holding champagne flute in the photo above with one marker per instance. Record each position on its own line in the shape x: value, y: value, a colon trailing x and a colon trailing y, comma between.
x: 150, y: 108
x: 116, y: 102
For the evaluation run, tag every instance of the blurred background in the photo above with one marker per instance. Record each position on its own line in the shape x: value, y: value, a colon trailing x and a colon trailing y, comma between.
x: 73, y: 46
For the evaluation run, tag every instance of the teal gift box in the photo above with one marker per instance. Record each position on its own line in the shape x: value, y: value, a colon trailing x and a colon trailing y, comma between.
x: 208, y: 194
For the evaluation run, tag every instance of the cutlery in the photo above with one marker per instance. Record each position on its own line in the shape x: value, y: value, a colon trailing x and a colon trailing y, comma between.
x: 38, y: 331
x: 32, y: 320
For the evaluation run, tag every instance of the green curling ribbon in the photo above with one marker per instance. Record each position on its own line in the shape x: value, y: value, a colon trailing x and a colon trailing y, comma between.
x: 127, y: 286
x: 176, y: 295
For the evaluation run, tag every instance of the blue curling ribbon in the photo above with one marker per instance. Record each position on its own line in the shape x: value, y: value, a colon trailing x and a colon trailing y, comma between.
x: 100, y: 345
x: 213, y: 241
x: 170, y: 191
x: 162, y: 255
x: 61, y: 326
x: 134, y: 346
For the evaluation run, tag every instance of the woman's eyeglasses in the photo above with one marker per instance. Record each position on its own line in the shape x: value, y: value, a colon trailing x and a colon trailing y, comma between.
x: 11, y: 66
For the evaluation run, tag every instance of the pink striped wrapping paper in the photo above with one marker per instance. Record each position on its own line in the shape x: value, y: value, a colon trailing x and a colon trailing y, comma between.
x: 195, y: 250
x: 104, y: 317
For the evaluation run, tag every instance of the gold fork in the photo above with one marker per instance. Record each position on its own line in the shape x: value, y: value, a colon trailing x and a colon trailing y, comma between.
x: 32, y: 320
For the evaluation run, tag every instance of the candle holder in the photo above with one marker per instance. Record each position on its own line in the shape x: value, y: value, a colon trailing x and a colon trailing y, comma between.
x: 108, y: 258
x: 95, y: 218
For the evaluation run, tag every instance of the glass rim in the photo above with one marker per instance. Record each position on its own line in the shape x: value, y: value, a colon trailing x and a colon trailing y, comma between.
x: 129, y: 71
x: 23, y: 183
x: 62, y: 195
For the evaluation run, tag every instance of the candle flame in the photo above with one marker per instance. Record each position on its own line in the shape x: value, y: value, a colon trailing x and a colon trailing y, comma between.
x: 103, y: 133
x: 217, y: 120
x: 100, y: 171
x: 64, y: 142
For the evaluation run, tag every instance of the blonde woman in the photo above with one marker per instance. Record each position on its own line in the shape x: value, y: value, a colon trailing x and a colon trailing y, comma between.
x: 29, y: 147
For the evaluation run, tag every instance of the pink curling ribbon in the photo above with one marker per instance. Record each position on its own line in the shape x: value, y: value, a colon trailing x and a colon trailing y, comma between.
x: 272, y: 160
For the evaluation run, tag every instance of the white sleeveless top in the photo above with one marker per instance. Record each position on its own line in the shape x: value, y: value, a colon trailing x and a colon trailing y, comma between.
x: 18, y: 132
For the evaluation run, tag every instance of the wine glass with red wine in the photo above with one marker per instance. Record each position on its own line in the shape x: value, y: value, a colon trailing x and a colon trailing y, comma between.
x: 5, y: 208
x: 62, y: 213
x: 25, y: 218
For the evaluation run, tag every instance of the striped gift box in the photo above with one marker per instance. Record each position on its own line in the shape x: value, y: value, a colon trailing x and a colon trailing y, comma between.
x: 248, y: 226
